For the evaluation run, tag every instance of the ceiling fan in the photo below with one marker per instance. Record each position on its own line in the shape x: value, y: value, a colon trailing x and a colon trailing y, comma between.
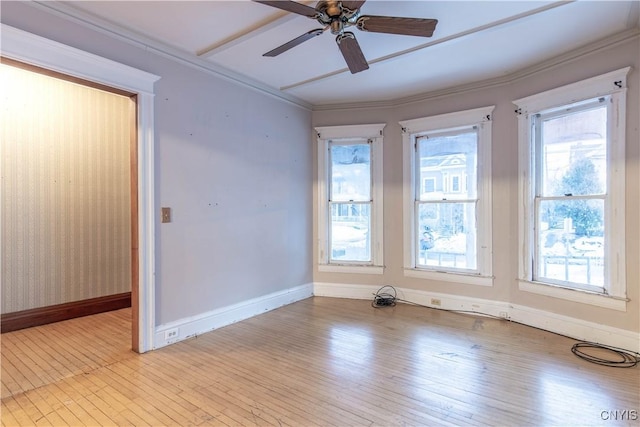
x: 337, y: 15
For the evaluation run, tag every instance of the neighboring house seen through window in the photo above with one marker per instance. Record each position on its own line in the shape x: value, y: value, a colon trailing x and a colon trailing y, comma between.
x: 448, y: 196
x: 446, y: 155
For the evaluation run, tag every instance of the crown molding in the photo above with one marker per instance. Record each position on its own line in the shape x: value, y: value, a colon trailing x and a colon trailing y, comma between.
x: 437, y: 41
x: 162, y: 49
x: 513, y: 77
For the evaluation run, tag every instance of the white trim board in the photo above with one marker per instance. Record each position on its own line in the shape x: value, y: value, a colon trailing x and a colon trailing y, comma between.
x: 568, y: 326
x: 190, y: 327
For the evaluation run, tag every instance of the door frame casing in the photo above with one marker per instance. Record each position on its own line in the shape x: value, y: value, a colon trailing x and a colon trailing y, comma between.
x: 41, y: 52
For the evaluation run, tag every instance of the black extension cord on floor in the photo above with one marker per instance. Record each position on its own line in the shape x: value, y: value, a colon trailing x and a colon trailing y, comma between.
x: 386, y: 296
x: 384, y: 299
x: 621, y: 358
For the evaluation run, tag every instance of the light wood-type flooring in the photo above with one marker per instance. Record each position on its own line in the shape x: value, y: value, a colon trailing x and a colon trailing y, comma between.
x: 317, y: 362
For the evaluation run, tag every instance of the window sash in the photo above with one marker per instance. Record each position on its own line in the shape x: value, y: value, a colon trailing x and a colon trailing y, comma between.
x: 339, y: 201
x: 538, y: 143
x: 612, y: 86
x: 539, y: 118
x: 330, y: 182
x: 447, y: 186
x: 453, y: 256
x: 538, y: 261
x: 371, y: 134
x: 369, y: 259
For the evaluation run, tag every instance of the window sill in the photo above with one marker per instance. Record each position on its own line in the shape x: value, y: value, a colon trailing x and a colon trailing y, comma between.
x: 575, y: 295
x: 467, y: 279
x: 356, y: 269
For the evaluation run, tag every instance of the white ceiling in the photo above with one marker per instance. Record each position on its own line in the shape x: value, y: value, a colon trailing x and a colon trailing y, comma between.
x: 473, y: 41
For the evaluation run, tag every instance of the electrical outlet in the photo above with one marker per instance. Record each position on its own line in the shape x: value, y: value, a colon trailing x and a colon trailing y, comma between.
x: 171, y: 334
x: 436, y: 301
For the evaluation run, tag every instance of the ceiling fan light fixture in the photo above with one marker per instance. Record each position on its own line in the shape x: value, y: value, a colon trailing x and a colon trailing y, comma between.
x: 330, y: 8
x: 336, y: 26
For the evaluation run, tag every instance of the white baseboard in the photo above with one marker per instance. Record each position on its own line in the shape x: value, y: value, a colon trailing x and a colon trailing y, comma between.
x: 564, y: 325
x: 342, y: 290
x: 182, y: 329
x: 576, y: 328
x: 446, y: 301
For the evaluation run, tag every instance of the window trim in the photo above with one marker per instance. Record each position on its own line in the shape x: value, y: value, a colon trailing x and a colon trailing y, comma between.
x: 412, y: 129
x: 373, y: 132
x: 613, y: 85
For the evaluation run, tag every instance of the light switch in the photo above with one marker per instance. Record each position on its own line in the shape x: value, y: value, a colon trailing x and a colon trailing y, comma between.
x: 166, y: 214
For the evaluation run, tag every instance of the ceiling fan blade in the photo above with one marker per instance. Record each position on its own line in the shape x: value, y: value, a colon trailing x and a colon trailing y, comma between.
x: 394, y: 25
x: 351, y: 52
x: 295, y: 42
x: 353, y: 5
x: 291, y: 6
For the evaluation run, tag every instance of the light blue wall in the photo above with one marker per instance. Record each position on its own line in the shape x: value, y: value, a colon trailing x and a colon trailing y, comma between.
x: 234, y: 165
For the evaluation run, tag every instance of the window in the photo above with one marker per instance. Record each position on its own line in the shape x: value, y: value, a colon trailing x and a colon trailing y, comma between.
x: 429, y: 185
x: 455, y: 183
x: 447, y: 221
x: 572, y: 211
x: 350, y: 198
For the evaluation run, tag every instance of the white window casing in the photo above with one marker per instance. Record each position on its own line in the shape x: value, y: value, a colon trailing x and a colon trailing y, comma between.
x: 374, y: 134
x: 613, y: 86
x: 479, y: 118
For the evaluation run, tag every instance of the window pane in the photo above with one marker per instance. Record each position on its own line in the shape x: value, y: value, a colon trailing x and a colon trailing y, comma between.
x: 447, y: 166
x: 350, y: 173
x: 351, y: 232
x: 455, y: 184
x: 574, y: 153
x: 570, y: 236
x: 446, y: 235
x: 429, y: 185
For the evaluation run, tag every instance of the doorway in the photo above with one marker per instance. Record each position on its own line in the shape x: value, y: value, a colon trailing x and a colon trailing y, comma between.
x: 69, y: 197
x: 38, y: 51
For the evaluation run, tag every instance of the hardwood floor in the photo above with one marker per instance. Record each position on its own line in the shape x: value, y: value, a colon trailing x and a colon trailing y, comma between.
x: 320, y: 361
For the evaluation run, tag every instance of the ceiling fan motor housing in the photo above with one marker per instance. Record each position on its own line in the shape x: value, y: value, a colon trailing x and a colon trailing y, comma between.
x: 333, y: 14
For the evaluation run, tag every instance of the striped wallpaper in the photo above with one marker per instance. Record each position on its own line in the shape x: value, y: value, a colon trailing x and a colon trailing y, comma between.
x: 65, y: 191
